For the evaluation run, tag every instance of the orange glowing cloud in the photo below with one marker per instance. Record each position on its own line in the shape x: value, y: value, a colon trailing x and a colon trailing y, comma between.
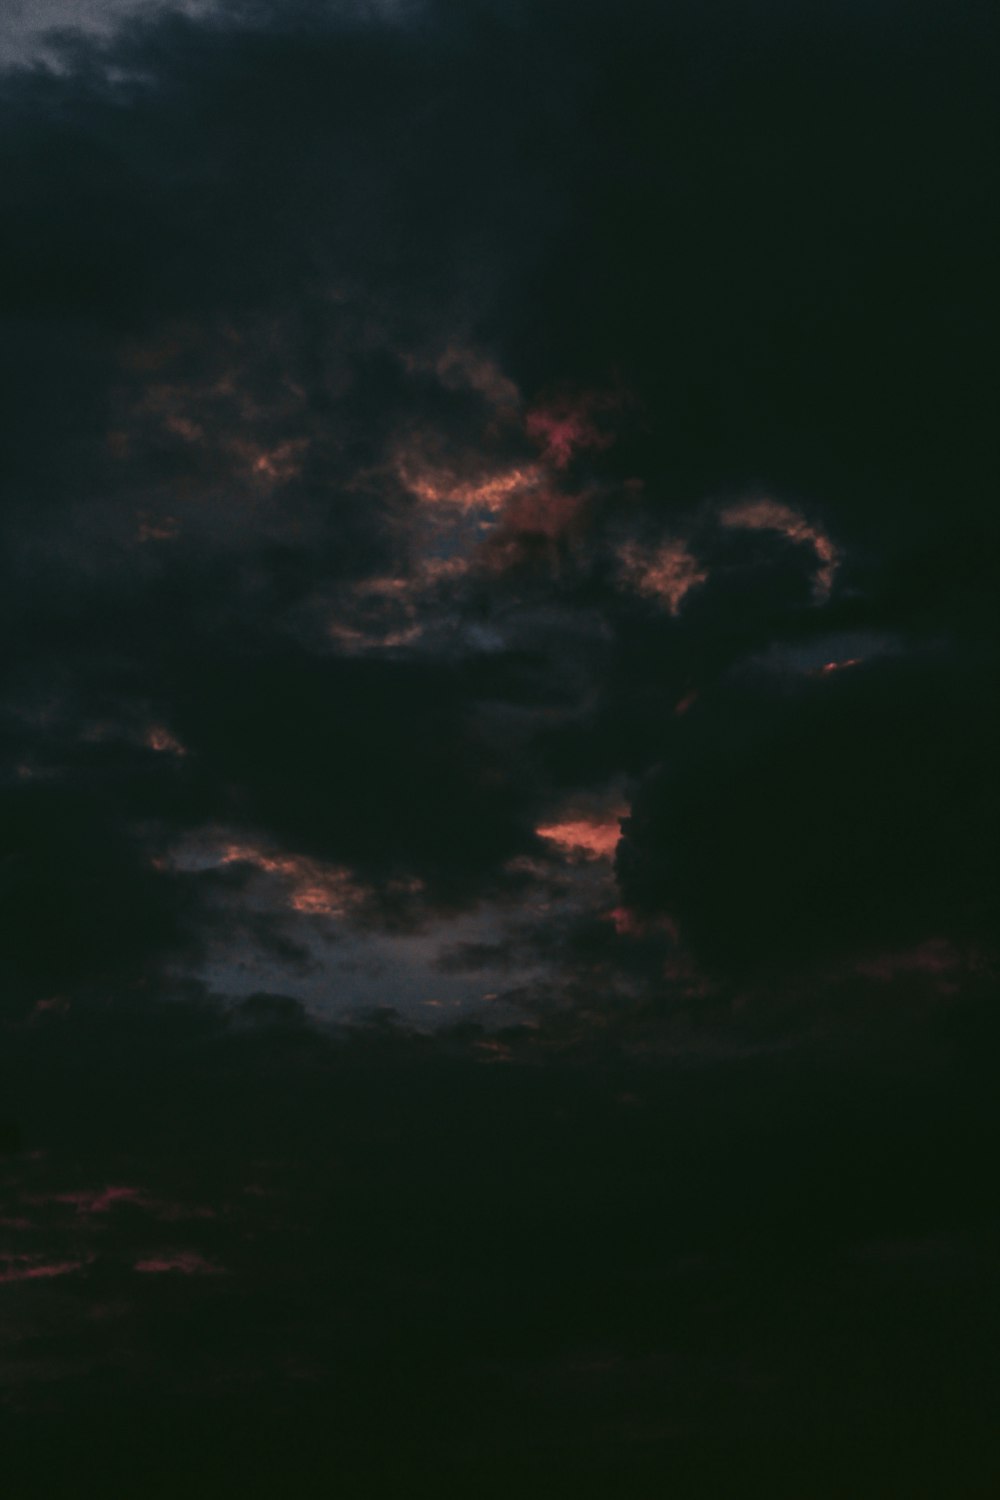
x: 161, y: 740
x: 354, y: 639
x: 506, y: 500
x: 667, y: 573
x: 770, y: 515
x: 486, y: 492
x: 204, y: 391
x: 381, y: 613
x: 838, y: 666
x: 315, y: 889
x: 156, y: 529
x: 592, y: 836
x: 275, y: 465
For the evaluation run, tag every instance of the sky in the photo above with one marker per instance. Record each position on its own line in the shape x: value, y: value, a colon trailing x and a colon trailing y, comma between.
x: 498, y: 544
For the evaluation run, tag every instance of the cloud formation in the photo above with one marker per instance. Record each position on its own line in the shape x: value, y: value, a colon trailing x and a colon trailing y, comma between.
x: 498, y: 793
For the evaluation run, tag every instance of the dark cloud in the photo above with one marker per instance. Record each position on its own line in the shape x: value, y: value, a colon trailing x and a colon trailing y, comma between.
x: 848, y: 813
x: 83, y: 904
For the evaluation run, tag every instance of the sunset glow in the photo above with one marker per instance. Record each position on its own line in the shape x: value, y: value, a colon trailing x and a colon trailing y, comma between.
x: 594, y: 837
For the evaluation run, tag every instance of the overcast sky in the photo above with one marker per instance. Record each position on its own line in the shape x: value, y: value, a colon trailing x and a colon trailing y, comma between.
x: 26, y: 26
x: 499, y: 573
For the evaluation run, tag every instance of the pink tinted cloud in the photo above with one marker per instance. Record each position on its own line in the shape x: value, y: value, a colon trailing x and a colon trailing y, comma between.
x: 935, y: 959
x: 628, y: 923
x: 184, y: 1262
x: 565, y: 427
x: 57, y: 1004
x: 625, y: 922
x: 33, y: 1268
x: 90, y: 1202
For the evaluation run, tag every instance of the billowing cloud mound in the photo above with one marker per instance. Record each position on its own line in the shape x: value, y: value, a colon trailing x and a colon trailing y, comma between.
x: 830, y: 819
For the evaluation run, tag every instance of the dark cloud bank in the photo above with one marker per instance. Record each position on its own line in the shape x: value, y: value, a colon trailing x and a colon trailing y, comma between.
x: 498, y: 512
